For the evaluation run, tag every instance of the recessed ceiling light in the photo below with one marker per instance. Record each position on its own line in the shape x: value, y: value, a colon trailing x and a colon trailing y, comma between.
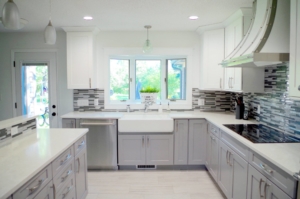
x: 193, y: 17
x: 88, y: 18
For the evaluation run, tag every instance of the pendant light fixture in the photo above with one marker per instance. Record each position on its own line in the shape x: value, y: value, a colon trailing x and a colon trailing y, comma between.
x: 11, y: 16
x: 147, y: 48
x: 50, y: 32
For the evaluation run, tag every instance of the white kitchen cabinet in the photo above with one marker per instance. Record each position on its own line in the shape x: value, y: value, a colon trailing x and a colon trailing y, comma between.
x: 260, y: 187
x: 146, y: 149
x: 132, y: 149
x: 197, y: 142
x: 212, y: 53
x: 81, y: 59
x: 232, y: 177
x: 81, y: 174
x: 240, y: 79
x: 181, y: 133
x: 159, y: 150
x: 294, y: 65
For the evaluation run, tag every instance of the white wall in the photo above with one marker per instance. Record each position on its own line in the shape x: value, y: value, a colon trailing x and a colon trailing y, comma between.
x: 127, y: 39
x: 12, y: 41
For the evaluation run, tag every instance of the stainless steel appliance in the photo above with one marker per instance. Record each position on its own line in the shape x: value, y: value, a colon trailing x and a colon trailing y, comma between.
x: 101, y: 141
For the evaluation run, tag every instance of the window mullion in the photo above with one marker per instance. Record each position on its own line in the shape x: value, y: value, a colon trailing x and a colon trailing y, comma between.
x: 163, y: 78
x: 132, y: 76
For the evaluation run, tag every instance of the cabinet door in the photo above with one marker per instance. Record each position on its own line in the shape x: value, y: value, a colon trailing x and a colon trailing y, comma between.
x: 159, y: 150
x: 214, y: 156
x: 181, y: 142
x: 229, y: 74
x: 207, y: 156
x: 225, y: 169
x: 132, y: 149
x: 274, y: 192
x: 239, y: 176
x: 68, y: 123
x: 212, y: 54
x: 81, y: 174
x: 46, y: 192
x: 294, y: 78
x: 256, y: 184
x: 80, y: 60
x: 197, y: 142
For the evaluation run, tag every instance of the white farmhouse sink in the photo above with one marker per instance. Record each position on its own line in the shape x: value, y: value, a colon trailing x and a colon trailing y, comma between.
x: 145, y: 123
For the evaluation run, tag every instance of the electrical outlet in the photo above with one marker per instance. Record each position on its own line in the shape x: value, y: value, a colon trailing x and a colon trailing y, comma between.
x: 201, y: 102
x: 14, y: 130
x: 83, y: 102
x: 258, y: 109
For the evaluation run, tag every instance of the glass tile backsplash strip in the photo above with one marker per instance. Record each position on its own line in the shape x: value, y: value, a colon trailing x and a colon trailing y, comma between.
x: 90, y: 95
x: 22, y: 128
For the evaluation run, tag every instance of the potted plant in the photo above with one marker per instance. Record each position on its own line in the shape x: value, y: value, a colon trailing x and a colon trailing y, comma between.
x: 149, y: 94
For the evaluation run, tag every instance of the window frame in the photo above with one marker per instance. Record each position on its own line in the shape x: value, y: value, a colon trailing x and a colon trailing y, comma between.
x: 157, y: 54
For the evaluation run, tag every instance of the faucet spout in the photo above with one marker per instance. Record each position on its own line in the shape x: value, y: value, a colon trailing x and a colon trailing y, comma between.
x: 147, y: 104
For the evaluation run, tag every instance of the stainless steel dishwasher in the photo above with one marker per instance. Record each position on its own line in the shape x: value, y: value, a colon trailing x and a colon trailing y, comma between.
x: 101, y: 142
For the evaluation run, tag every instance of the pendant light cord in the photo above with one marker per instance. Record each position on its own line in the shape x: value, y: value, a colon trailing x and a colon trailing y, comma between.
x: 50, y: 9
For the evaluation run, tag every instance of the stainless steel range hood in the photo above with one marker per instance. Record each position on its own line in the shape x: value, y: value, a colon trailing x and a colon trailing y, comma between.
x: 267, y: 40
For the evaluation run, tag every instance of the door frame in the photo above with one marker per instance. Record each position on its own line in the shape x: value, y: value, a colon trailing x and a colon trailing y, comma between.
x: 13, y: 73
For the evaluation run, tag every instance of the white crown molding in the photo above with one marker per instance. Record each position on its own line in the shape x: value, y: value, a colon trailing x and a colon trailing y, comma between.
x: 242, y: 12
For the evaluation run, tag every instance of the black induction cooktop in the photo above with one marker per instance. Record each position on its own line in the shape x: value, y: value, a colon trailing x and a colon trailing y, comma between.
x: 258, y: 133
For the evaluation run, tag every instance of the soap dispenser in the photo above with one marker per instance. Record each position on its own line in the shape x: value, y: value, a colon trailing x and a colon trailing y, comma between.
x: 160, y: 108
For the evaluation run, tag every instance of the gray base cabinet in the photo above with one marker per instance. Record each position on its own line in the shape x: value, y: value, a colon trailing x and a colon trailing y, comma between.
x: 213, y: 155
x: 181, y: 134
x: 60, y: 179
x: 232, y: 177
x: 190, y: 142
x: 145, y: 149
x: 260, y: 187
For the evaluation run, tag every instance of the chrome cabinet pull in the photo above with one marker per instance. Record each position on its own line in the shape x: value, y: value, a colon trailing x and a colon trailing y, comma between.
x: 227, y: 156
x: 148, y: 141
x: 78, y: 160
x: 176, y: 126
x: 33, y: 189
x: 264, y: 167
x: 212, y: 138
x: 65, y: 160
x: 81, y: 144
x: 54, y: 191
x: 90, y: 82
x: 229, y: 159
x: 229, y: 83
x: 299, y: 88
x: 265, y: 190
x: 143, y: 141
x: 260, y: 182
x: 68, y: 173
x: 220, y: 82
x: 69, y: 189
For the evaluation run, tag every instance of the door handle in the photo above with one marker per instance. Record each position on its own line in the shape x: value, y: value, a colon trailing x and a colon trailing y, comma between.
x: 78, y: 160
x: 227, y: 156
x: 148, y: 141
x: 229, y: 159
x: 260, y: 182
x: 143, y: 141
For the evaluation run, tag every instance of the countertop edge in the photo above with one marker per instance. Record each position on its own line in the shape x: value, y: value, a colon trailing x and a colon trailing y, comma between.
x: 30, y: 176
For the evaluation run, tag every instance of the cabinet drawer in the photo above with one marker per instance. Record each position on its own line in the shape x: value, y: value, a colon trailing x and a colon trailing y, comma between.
x: 35, y: 185
x: 273, y: 173
x: 238, y: 147
x: 68, y: 190
x: 62, y: 161
x: 46, y: 192
x: 79, y: 145
x: 214, y: 129
x: 60, y: 179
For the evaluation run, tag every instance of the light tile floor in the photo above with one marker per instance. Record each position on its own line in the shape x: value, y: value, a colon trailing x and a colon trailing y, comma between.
x: 152, y: 185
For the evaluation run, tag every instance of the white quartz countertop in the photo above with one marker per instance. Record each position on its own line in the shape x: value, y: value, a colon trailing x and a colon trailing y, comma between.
x: 284, y: 155
x: 24, y: 156
x: 16, y: 120
x: 93, y: 115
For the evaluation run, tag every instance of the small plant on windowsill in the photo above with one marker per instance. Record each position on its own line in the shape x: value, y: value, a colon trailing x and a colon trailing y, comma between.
x: 149, y: 94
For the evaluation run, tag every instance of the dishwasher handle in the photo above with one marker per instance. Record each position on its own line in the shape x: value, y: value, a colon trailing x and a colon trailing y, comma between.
x: 96, y: 124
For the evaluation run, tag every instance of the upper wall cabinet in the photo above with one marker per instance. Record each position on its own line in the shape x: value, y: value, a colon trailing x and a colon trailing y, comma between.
x: 294, y: 83
x: 81, y: 58
x: 212, y: 52
x: 240, y: 79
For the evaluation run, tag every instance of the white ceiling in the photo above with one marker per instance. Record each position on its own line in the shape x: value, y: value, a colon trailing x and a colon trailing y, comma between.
x: 126, y: 15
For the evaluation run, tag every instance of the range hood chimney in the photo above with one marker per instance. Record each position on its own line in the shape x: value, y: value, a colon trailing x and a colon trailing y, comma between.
x: 267, y: 40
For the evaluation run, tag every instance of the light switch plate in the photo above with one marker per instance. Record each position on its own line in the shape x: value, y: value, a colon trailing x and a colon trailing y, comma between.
x: 200, y: 102
x: 96, y: 102
x: 83, y: 102
x: 14, y: 130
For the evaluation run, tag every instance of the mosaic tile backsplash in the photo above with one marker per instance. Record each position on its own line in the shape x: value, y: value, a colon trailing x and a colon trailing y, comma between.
x: 22, y: 128
x: 91, y: 95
